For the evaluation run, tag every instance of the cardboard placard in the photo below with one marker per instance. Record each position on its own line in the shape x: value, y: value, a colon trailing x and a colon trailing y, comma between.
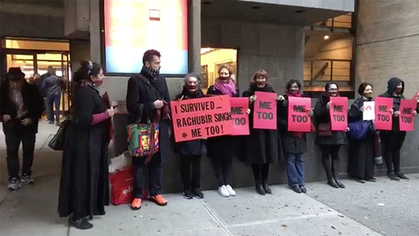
x: 383, y: 118
x: 407, y: 119
x: 298, y: 118
x: 201, y: 118
x: 339, y: 113
x: 264, y: 115
x: 240, y: 118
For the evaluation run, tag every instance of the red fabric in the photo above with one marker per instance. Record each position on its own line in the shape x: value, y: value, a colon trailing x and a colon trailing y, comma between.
x: 122, y: 188
x: 97, y: 118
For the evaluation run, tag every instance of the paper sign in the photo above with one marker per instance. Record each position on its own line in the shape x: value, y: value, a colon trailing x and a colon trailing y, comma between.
x: 298, y: 118
x: 369, y: 110
x: 240, y: 118
x: 339, y: 113
x: 264, y: 115
x: 407, y: 119
x: 383, y: 118
x: 201, y: 118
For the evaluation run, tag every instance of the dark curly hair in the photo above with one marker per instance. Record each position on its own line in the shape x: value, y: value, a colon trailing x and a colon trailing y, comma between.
x: 87, y: 69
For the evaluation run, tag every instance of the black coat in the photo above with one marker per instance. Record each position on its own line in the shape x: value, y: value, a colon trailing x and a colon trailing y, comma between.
x: 290, y: 142
x: 261, y: 146
x: 322, y: 115
x: 33, y: 103
x: 223, y: 147
x: 194, y: 147
x: 144, y: 90
x: 84, y: 185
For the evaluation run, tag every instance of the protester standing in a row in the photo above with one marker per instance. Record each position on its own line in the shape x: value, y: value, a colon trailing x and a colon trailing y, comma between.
x: 294, y: 144
x: 329, y: 141
x: 84, y: 185
x: 361, y: 151
x: 21, y: 108
x: 191, y: 151
x: 262, y: 147
x: 147, y: 91
x: 222, y: 149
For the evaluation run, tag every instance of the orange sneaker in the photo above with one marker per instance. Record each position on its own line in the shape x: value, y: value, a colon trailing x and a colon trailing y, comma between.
x: 136, y: 204
x: 159, y: 200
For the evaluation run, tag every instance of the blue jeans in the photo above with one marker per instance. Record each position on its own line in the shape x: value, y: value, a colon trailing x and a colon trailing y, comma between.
x: 295, y: 169
x: 53, y: 99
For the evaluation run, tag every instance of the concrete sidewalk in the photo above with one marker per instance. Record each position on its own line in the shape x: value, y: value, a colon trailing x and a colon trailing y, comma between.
x: 382, y: 208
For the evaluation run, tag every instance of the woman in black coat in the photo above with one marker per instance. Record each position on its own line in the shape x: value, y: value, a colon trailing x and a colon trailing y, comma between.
x: 261, y: 146
x: 294, y: 144
x: 361, y: 151
x: 329, y: 141
x: 222, y: 149
x: 191, y: 151
x: 84, y: 185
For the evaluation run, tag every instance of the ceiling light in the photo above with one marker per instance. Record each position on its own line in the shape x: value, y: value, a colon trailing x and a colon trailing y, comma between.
x: 326, y: 37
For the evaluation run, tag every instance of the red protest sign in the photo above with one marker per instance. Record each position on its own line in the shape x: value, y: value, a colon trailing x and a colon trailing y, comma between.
x: 407, y: 122
x: 298, y: 118
x: 383, y: 118
x: 339, y: 113
x: 201, y: 118
x: 240, y: 118
x: 264, y: 115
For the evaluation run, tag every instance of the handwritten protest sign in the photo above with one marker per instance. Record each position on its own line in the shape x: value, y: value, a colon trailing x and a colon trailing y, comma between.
x: 407, y: 122
x: 383, y: 118
x: 240, y: 118
x: 264, y: 115
x: 369, y: 110
x: 201, y: 118
x: 339, y: 113
x: 298, y: 118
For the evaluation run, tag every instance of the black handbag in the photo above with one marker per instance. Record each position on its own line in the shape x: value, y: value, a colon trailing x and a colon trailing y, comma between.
x: 57, y: 142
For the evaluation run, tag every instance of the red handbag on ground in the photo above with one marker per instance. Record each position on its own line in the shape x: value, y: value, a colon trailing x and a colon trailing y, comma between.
x: 122, y: 188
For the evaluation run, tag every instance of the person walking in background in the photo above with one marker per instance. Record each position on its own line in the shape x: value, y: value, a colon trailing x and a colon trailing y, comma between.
x: 148, y: 91
x: 21, y: 107
x: 329, y: 141
x: 294, y: 144
x: 53, y: 87
x: 361, y: 151
x: 262, y: 147
x: 393, y: 140
x: 222, y: 149
x: 191, y: 151
x: 84, y: 184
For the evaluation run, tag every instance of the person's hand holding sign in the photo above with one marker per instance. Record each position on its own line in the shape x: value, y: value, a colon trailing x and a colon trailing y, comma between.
x: 396, y: 113
x: 248, y: 111
x: 158, y: 104
x: 280, y: 98
x: 310, y: 112
x: 252, y: 98
x: 347, y: 129
x: 414, y: 112
x: 328, y: 105
x: 362, y: 109
x: 391, y: 111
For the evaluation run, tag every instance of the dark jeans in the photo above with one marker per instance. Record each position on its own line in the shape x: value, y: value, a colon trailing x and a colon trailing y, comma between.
x: 260, y: 171
x: 14, y: 136
x: 140, y: 175
x: 331, y: 168
x: 392, y: 143
x: 295, y: 169
x: 51, y: 100
x: 186, y: 162
x: 222, y: 169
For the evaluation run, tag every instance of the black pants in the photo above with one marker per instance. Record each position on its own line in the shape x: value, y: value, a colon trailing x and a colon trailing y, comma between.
x: 222, y: 168
x: 140, y: 175
x: 392, y: 143
x: 260, y: 171
x: 331, y: 167
x: 14, y: 136
x: 186, y: 162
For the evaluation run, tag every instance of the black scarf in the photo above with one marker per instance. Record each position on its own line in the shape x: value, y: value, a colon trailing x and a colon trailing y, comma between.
x: 254, y: 88
x: 149, y: 72
x: 195, y: 94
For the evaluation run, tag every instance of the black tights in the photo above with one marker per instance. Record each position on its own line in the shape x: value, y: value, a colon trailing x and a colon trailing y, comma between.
x: 331, y: 168
x: 260, y: 171
x: 222, y: 169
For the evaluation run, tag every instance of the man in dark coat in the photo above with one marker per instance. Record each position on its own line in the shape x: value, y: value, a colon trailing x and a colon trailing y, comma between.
x: 392, y: 141
x: 21, y: 107
x: 147, y: 91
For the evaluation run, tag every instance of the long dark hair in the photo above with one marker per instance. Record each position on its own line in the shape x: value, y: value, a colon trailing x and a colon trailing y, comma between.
x: 288, y: 86
x: 362, y: 87
x: 87, y: 69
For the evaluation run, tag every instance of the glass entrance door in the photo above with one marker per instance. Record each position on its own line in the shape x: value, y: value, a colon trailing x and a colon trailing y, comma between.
x: 25, y: 61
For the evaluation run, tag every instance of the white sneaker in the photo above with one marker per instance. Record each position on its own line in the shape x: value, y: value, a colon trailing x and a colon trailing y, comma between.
x: 231, y: 190
x: 223, y: 191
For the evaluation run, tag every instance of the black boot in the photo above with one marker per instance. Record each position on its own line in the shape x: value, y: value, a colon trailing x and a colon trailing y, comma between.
x: 338, y: 182
x: 335, y: 172
x: 266, y: 187
x: 259, y: 187
x: 81, y: 223
x: 331, y: 182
